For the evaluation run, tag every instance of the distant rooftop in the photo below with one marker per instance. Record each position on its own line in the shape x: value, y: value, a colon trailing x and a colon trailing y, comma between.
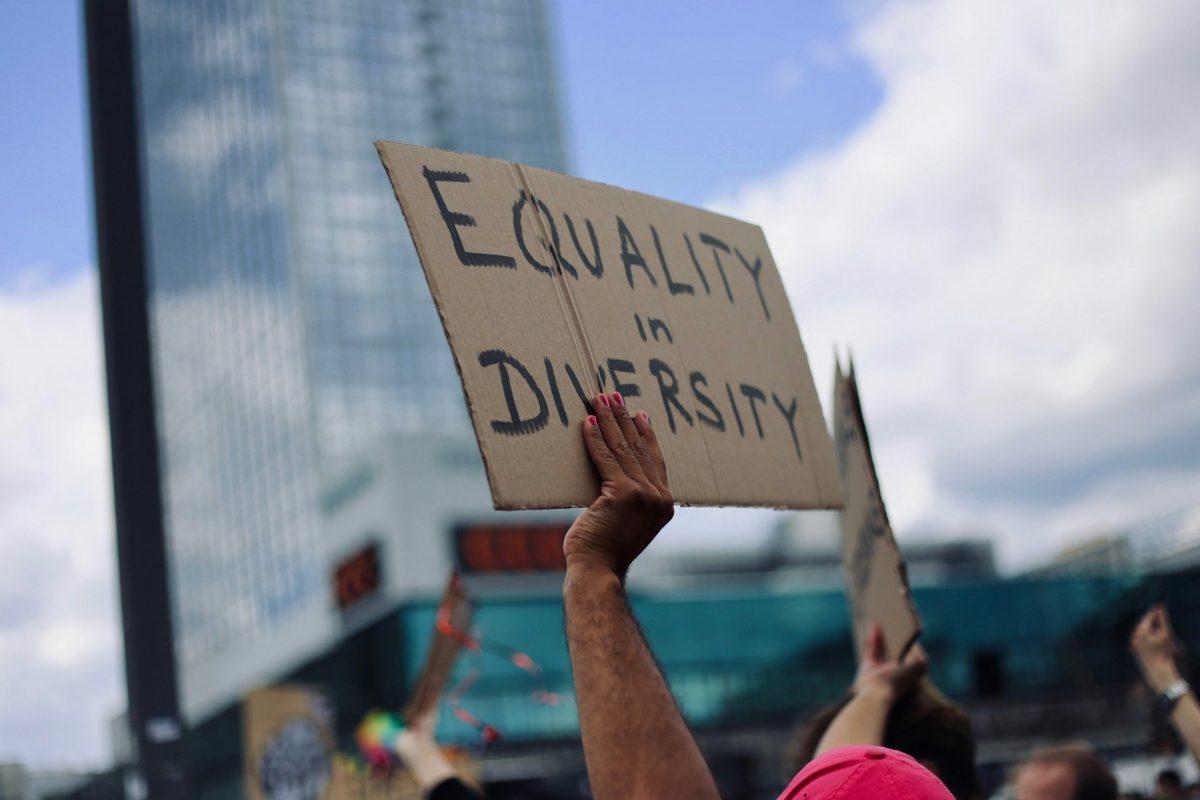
x: 1164, y: 543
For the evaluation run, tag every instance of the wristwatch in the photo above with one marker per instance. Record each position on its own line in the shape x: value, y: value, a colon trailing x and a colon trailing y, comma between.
x: 1170, y: 696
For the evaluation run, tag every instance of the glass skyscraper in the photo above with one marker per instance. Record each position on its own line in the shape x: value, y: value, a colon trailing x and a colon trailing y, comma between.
x: 290, y: 322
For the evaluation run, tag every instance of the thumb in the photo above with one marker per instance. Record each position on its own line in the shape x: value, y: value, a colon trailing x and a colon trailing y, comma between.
x: 915, y: 666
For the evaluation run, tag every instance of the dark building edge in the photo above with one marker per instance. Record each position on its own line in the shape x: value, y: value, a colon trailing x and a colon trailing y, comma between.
x: 121, y: 252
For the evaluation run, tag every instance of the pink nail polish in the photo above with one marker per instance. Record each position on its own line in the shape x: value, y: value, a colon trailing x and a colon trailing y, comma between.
x: 604, y: 400
x: 616, y: 396
x: 591, y: 420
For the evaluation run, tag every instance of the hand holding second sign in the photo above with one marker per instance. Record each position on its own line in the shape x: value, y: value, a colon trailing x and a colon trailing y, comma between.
x: 634, y: 502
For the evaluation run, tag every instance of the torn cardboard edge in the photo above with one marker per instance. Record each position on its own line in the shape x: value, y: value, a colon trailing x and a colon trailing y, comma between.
x: 808, y: 427
x: 887, y: 599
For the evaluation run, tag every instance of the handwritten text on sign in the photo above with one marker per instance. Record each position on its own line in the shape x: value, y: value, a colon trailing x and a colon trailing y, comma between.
x: 552, y: 288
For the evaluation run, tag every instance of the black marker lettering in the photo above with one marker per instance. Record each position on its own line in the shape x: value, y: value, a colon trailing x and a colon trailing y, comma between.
x: 631, y: 256
x: 583, y: 396
x: 518, y: 229
x: 641, y: 329
x: 554, y: 249
x: 737, y: 416
x: 618, y: 366
x: 753, y: 393
x: 596, y: 269
x: 657, y: 326
x: 717, y: 245
x: 717, y: 420
x: 696, y: 263
x: 514, y: 425
x: 756, y: 273
x: 555, y: 394
x: 669, y: 390
x: 456, y: 219
x: 672, y: 285
x: 789, y: 413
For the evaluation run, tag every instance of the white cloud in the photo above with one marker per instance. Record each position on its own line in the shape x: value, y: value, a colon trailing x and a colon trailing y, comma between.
x: 59, y: 638
x: 1010, y: 245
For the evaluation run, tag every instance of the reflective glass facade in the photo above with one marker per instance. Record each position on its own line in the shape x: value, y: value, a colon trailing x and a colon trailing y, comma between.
x: 291, y: 325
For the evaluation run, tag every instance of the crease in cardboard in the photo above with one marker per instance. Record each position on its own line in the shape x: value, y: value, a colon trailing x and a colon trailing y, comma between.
x: 678, y: 351
x: 566, y: 299
x: 551, y: 470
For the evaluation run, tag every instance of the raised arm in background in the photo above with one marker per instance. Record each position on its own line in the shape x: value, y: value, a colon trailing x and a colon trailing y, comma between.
x: 635, y: 741
x: 877, y: 687
x: 436, y: 776
x: 1158, y: 654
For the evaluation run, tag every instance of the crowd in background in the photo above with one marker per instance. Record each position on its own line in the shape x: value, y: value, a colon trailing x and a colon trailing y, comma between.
x: 893, y: 734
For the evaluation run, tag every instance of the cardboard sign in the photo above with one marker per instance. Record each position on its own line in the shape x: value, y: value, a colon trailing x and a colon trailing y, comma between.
x: 876, y: 580
x: 287, y: 744
x: 552, y: 289
x: 452, y: 625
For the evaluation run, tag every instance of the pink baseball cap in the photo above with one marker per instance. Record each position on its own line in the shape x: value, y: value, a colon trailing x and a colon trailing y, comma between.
x: 865, y: 773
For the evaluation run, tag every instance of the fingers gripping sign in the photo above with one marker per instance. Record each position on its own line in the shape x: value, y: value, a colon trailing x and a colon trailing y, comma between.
x: 634, y: 502
x: 893, y: 678
x: 621, y: 439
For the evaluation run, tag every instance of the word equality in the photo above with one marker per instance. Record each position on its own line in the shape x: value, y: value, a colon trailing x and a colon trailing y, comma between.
x: 533, y: 217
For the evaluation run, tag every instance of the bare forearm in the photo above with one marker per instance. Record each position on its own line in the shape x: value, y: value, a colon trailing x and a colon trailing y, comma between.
x: 862, y: 721
x: 1186, y: 719
x: 425, y: 762
x: 1161, y: 673
x: 634, y: 739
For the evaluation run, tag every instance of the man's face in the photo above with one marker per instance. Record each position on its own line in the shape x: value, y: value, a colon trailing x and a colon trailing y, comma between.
x: 1046, y: 781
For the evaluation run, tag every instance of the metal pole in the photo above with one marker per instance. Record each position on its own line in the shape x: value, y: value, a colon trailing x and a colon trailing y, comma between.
x: 121, y: 250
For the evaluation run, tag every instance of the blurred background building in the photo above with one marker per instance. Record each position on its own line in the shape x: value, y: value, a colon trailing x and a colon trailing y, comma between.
x: 291, y: 326
x: 1167, y: 542
x: 805, y: 550
x: 18, y: 782
x: 319, y: 478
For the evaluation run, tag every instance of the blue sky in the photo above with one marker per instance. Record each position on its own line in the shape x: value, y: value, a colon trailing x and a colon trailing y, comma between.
x: 650, y: 90
x: 655, y: 89
x: 993, y: 202
x: 44, y: 209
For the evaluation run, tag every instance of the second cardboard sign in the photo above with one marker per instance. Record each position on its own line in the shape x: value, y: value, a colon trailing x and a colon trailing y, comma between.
x: 552, y: 288
x: 876, y: 578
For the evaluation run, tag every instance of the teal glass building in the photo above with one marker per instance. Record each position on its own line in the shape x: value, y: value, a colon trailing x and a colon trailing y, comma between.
x: 1032, y: 660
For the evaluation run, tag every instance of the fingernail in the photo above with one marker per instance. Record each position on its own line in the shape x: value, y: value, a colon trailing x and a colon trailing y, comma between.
x: 618, y: 399
x: 604, y: 400
x: 591, y: 420
x: 645, y: 417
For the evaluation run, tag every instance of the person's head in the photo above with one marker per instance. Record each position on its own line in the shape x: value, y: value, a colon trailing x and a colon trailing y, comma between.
x: 864, y: 771
x: 1169, y: 784
x: 1065, y: 772
x: 925, y: 725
